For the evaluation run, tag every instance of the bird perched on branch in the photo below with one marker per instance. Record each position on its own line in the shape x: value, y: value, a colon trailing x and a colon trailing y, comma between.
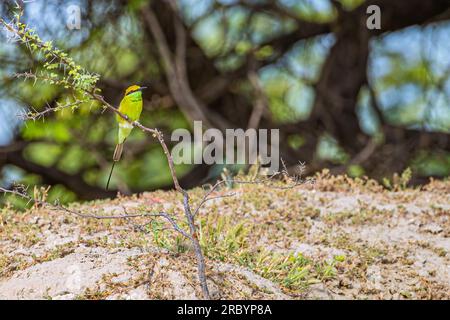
x: 131, y: 106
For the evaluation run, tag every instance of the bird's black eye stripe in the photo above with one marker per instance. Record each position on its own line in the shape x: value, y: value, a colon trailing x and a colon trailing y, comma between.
x: 131, y: 92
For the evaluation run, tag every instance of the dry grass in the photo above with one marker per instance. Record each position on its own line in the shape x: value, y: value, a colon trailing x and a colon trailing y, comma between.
x: 356, y: 237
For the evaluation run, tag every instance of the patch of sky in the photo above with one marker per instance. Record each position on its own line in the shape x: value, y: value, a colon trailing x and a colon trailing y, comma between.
x: 379, y: 67
x: 323, y: 6
x: 406, y: 42
x: 439, y: 49
x: 320, y: 11
x: 329, y: 149
x: 306, y: 58
x: 300, y: 98
x: 402, y: 95
x: 9, y: 175
x: 367, y: 118
x: 194, y: 9
x: 9, y: 120
x: 295, y: 95
x: 50, y: 20
x: 228, y: 2
x: 410, y: 101
x: 437, y: 112
x: 446, y: 86
x: 264, y: 26
x: 430, y: 43
x: 210, y: 34
x: 237, y: 18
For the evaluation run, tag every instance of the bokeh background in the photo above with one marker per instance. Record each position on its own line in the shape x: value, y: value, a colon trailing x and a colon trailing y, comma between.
x: 356, y: 101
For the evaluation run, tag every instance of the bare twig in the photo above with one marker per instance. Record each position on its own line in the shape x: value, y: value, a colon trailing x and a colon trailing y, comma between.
x: 22, y: 192
x: 291, y: 180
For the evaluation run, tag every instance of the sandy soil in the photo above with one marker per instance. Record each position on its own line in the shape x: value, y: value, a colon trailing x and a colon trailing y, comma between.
x: 373, y: 244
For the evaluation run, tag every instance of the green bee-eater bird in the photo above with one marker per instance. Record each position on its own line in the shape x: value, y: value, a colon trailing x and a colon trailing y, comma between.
x: 131, y: 106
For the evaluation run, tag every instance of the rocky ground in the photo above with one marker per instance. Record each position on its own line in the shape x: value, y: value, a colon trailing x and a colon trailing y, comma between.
x: 337, y: 239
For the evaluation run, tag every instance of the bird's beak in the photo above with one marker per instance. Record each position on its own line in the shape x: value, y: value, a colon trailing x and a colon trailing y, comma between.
x: 142, y: 88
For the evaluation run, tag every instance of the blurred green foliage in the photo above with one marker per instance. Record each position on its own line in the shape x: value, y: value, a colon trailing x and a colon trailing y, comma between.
x: 113, y: 45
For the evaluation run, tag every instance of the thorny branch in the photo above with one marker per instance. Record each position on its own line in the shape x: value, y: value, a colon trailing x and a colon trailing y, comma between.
x: 192, y: 235
x: 21, y: 191
x: 292, y: 181
x: 28, y: 37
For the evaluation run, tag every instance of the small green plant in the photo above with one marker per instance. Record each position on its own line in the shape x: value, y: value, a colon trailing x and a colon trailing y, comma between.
x: 219, y: 238
x: 225, y: 240
x: 159, y: 236
x: 398, y: 182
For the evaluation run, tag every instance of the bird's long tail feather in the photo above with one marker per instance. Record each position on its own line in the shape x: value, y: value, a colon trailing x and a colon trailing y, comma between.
x: 110, y: 174
x: 116, y: 157
x: 118, y: 152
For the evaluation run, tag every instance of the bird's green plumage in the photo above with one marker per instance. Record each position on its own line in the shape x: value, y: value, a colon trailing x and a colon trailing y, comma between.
x: 131, y: 105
